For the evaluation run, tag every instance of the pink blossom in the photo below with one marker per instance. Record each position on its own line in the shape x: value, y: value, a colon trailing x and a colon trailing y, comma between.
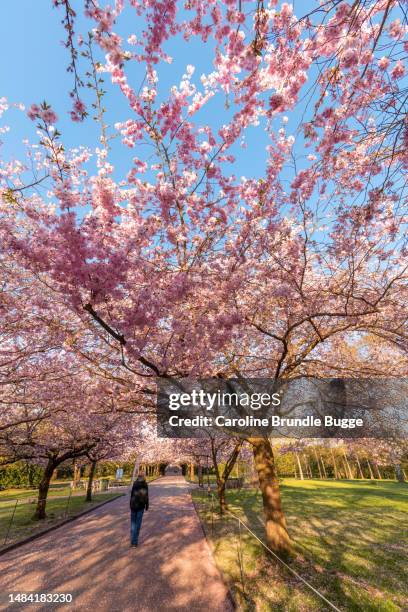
x: 396, y: 29
x: 79, y: 106
x: 398, y: 71
x: 383, y: 62
x: 78, y: 112
x: 276, y: 102
x: 33, y: 112
x: 49, y: 116
x: 350, y: 58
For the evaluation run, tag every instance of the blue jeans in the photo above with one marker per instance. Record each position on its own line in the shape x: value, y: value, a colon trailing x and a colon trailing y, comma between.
x: 136, y: 517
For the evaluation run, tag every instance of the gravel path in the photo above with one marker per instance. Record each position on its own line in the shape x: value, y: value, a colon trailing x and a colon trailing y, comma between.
x: 172, y: 569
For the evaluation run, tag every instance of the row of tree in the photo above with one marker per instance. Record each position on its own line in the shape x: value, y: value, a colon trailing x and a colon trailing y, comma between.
x: 191, y: 261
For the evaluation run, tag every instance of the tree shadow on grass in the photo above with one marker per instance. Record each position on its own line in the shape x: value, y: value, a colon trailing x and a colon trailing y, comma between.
x: 353, y: 554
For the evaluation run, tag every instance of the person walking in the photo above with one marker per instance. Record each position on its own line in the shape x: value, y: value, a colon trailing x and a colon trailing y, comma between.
x: 139, y: 502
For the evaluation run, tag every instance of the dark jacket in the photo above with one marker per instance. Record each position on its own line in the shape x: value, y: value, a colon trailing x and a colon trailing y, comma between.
x: 139, y: 497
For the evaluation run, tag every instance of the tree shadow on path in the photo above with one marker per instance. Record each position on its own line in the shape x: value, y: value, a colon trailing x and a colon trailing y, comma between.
x: 172, y: 568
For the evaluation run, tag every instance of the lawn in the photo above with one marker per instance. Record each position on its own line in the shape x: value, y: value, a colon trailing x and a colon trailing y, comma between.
x: 56, y: 490
x: 350, y: 539
x: 23, y: 524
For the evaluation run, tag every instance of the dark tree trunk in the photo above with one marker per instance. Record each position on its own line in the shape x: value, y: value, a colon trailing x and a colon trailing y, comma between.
x: 221, y: 496
x: 277, y: 536
x: 90, y: 481
x: 44, y: 488
x: 399, y: 473
x: 229, y: 466
x: 222, y: 478
x: 200, y: 475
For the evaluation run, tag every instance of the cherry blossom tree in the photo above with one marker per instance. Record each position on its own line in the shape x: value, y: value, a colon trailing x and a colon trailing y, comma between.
x: 180, y: 267
x: 80, y: 423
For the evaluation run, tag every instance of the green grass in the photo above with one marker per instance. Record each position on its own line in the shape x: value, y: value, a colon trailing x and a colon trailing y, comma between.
x: 56, y: 490
x: 350, y: 539
x: 212, y: 478
x: 57, y: 509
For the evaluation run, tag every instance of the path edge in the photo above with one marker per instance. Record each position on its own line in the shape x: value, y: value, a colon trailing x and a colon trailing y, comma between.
x: 211, y: 547
x: 39, y: 534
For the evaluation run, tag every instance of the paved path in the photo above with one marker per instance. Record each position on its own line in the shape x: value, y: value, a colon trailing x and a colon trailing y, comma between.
x: 172, y: 569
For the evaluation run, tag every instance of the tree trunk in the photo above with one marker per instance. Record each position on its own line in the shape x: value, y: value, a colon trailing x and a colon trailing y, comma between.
x: 254, y: 475
x: 318, y: 464
x: 323, y: 467
x: 134, y: 473
x: 277, y: 536
x: 90, y: 481
x: 344, y: 467
x: 336, y: 474
x: 350, y: 473
x: 192, y: 472
x: 371, y: 471
x: 300, y: 467
x: 77, y: 472
x: 399, y: 472
x: 359, y: 467
x: 43, y: 489
x: 221, y: 495
x: 302, y: 457
x: 222, y: 478
x: 200, y: 475
x: 308, y: 467
x: 377, y: 469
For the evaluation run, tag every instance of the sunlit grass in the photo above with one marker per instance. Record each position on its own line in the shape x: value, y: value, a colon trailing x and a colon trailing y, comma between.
x: 350, y: 540
x: 22, y: 524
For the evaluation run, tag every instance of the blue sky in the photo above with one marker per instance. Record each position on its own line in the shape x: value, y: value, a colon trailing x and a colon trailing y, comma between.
x: 33, y: 65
